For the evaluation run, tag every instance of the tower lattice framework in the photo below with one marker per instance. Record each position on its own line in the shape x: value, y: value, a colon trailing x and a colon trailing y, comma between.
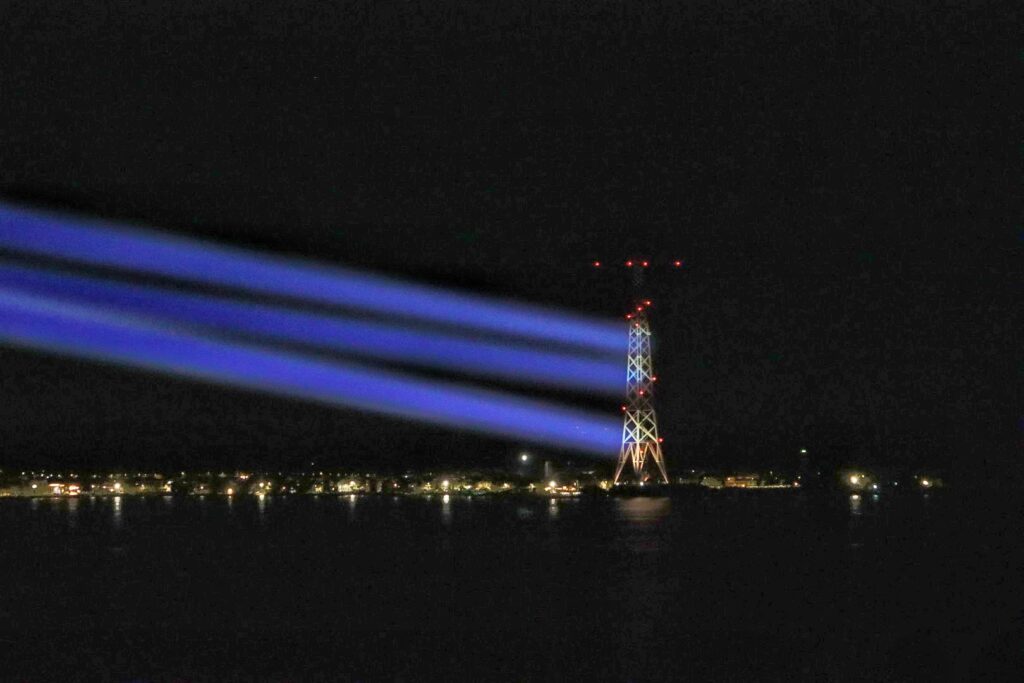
x: 640, y: 441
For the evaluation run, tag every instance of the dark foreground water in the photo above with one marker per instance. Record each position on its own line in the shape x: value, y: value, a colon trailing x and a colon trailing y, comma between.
x: 707, y: 586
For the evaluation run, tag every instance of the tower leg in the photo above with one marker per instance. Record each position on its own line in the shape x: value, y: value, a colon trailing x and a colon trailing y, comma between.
x: 660, y: 460
x: 623, y: 456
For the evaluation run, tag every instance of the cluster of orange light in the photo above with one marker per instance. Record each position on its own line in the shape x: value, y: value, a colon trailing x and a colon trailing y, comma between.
x: 629, y: 316
x: 643, y: 264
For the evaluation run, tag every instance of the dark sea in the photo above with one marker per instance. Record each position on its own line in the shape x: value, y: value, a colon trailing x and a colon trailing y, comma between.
x: 701, y: 586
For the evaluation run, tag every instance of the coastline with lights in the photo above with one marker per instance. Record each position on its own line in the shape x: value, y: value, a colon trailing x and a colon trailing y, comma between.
x: 544, y: 479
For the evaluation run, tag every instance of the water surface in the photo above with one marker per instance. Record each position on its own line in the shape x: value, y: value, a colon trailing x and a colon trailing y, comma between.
x: 707, y: 586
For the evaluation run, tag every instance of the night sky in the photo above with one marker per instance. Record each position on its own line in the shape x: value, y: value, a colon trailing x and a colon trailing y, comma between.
x: 841, y: 179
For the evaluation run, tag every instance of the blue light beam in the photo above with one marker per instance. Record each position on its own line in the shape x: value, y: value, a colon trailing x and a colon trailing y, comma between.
x: 58, y: 327
x: 102, y: 244
x: 327, y: 332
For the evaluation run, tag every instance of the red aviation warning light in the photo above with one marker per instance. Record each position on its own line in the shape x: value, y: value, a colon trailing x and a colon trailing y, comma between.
x: 639, y: 263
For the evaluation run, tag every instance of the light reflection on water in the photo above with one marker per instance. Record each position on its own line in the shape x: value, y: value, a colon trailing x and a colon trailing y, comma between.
x: 643, y: 510
x: 856, y: 505
x: 72, y: 512
x: 117, y: 517
x: 446, y: 510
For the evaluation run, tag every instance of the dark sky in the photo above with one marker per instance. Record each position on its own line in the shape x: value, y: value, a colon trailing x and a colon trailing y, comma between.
x: 842, y: 178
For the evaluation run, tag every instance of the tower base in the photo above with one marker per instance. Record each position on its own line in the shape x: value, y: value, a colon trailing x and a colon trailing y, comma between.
x: 638, y: 454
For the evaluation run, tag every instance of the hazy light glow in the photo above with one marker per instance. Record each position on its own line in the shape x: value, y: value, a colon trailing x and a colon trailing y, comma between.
x: 85, y: 332
x: 101, y: 244
x: 327, y: 332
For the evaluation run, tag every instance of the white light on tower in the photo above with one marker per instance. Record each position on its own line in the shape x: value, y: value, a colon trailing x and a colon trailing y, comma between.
x: 524, y: 457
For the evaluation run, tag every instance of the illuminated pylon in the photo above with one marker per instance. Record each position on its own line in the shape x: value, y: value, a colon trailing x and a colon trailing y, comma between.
x: 640, y: 440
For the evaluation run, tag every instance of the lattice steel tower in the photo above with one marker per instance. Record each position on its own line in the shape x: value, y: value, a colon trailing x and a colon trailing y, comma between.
x: 640, y: 440
x: 641, y: 443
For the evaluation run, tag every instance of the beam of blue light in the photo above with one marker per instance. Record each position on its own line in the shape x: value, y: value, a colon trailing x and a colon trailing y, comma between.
x: 58, y: 327
x: 101, y: 244
x: 374, y: 339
